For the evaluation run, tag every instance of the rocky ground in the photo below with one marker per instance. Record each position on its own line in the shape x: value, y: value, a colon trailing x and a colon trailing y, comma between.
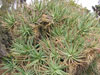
x: 5, y: 41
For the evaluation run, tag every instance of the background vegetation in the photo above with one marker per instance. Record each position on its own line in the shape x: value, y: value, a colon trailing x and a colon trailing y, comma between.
x: 52, y: 38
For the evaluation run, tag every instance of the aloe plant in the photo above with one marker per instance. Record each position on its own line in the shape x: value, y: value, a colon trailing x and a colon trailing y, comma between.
x: 55, y: 69
x: 10, y: 20
x: 25, y: 31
